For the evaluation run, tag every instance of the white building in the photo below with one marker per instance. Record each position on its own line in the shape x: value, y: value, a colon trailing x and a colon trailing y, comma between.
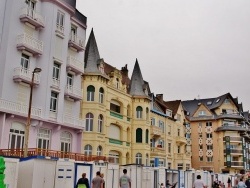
x: 49, y: 34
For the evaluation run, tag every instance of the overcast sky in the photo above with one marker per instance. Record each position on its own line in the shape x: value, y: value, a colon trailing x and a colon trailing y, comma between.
x: 186, y: 49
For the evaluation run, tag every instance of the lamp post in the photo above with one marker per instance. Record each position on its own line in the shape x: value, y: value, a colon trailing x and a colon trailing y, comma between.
x: 27, y: 130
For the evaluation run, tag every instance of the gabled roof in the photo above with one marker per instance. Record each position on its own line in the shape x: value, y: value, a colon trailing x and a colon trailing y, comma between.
x: 137, y: 85
x: 173, y: 105
x: 91, y: 55
x: 211, y: 103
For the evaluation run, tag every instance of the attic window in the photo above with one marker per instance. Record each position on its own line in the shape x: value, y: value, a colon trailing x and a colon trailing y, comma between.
x: 199, y: 104
x: 217, y: 100
x: 209, y: 102
x: 226, y: 101
x: 202, y: 113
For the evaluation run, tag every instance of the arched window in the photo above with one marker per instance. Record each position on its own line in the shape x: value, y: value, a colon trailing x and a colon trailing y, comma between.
x: 114, y: 157
x: 88, y: 150
x: 114, y: 132
x: 147, y: 113
x: 43, y: 138
x: 99, y: 151
x: 139, y: 112
x: 89, y: 122
x: 147, y: 132
x: 65, y: 140
x: 138, y: 158
x: 100, y: 123
x: 138, y: 135
x: 115, y: 106
x: 16, y: 136
x: 90, y: 93
x: 117, y: 83
x: 101, y: 95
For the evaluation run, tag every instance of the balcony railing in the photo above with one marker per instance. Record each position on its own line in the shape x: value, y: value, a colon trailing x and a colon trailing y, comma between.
x: 18, y: 108
x: 201, y: 118
x: 32, y: 17
x: 75, y: 65
x: 235, y: 163
x: 233, y: 139
x: 51, y: 153
x: 30, y: 44
x: 230, y: 116
x: 115, y: 114
x: 235, y: 151
x: 181, y: 140
x: 73, y: 92
x: 115, y: 141
x: 155, y: 130
x: 55, y: 82
x: 156, y: 151
x: 74, y: 121
x: 76, y: 42
x: 25, y: 75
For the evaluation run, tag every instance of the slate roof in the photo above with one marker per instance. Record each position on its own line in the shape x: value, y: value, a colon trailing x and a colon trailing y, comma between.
x: 91, y: 55
x: 137, y: 84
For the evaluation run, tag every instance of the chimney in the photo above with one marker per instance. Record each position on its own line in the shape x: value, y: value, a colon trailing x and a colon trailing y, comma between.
x: 160, y: 97
x: 125, y: 70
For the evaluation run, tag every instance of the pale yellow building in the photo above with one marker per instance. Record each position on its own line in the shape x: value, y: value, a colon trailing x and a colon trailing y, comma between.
x: 125, y: 122
x: 220, y: 141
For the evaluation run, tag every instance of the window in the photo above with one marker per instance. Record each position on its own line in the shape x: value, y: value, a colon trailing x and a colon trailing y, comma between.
x: 169, y: 165
x: 180, y: 166
x: 202, y: 113
x: 138, y: 135
x: 169, y: 147
x: 178, y: 132
x: 25, y: 62
x: 200, y: 125
x: 169, y: 130
x: 56, y: 71
x: 209, y: 124
x: 43, y: 138
x: 70, y: 78
x: 100, y: 123
x: 209, y: 159
x: 53, y: 101
x: 115, y: 106
x: 152, y: 121
x: 161, y: 143
x: 73, y: 33
x: 161, y: 125
x: 178, y: 149
x: 178, y: 117
x: 226, y: 101
x: 147, y: 113
x: 188, y: 166
x: 139, y: 112
x: 89, y: 122
x: 90, y: 93
x: 114, y: 156
x: 101, y: 95
x: 147, y: 159
x: 152, y: 163
x: 88, y: 150
x: 60, y: 21
x: 99, y: 151
x: 65, y: 140
x: 117, y: 83
x: 31, y: 4
x: 188, y: 135
x: 138, y: 158
x: 147, y: 132
x: 200, y: 135
x: 16, y: 136
x: 209, y: 147
x: 200, y: 146
x: 161, y: 163
x: 201, y: 158
x: 209, y: 135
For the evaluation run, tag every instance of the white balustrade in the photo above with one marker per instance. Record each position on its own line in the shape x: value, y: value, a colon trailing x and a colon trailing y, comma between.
x: 56, y: 82
x: 32, y: 14
x: 73, y: 90
x: 26, y: 74
x: 68, y: 119
x: 77, y: 40
x: 77, y: 64
x: 60, y: 28
x: 19, y: 108
x: 30, y: 41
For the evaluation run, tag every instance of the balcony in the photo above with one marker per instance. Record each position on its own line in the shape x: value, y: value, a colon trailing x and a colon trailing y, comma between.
x: 30, y: 16
x: 234, y: 139
x: 17, y: 108
x: 234, y: 151
x: 232, y: 128
x: 200, y: 118
x: 37, y: 152
x: 25, y: 75
x: 76, y: 42
x: 155, y: 131
x: 235, y: 164
x: 230, y: 116
x: 115, y: 141
x: 29, y: 44
x: 74, y: 121
x: 75, y: 65
x: 55, y: 83
x: 73, y: 92
x: 181, y: 156
x: 158, y: 151
x: 115, y: 114
x: 180, y: 140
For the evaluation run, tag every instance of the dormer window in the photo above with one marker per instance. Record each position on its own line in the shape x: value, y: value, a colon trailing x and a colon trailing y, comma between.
x: 202, y: 113
x: 101, y: 68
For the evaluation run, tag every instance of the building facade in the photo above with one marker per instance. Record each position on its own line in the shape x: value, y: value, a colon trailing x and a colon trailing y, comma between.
x: 49, y: 34
x: 220, y: 141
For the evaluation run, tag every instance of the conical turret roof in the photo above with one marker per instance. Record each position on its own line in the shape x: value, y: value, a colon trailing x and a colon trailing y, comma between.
x: 91, y: 55
x: 137, y: 83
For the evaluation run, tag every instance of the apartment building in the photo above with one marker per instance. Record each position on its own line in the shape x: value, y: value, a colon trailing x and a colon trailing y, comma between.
x: 125, y: 122
x: 42, y: 46
x: 220, y: 140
